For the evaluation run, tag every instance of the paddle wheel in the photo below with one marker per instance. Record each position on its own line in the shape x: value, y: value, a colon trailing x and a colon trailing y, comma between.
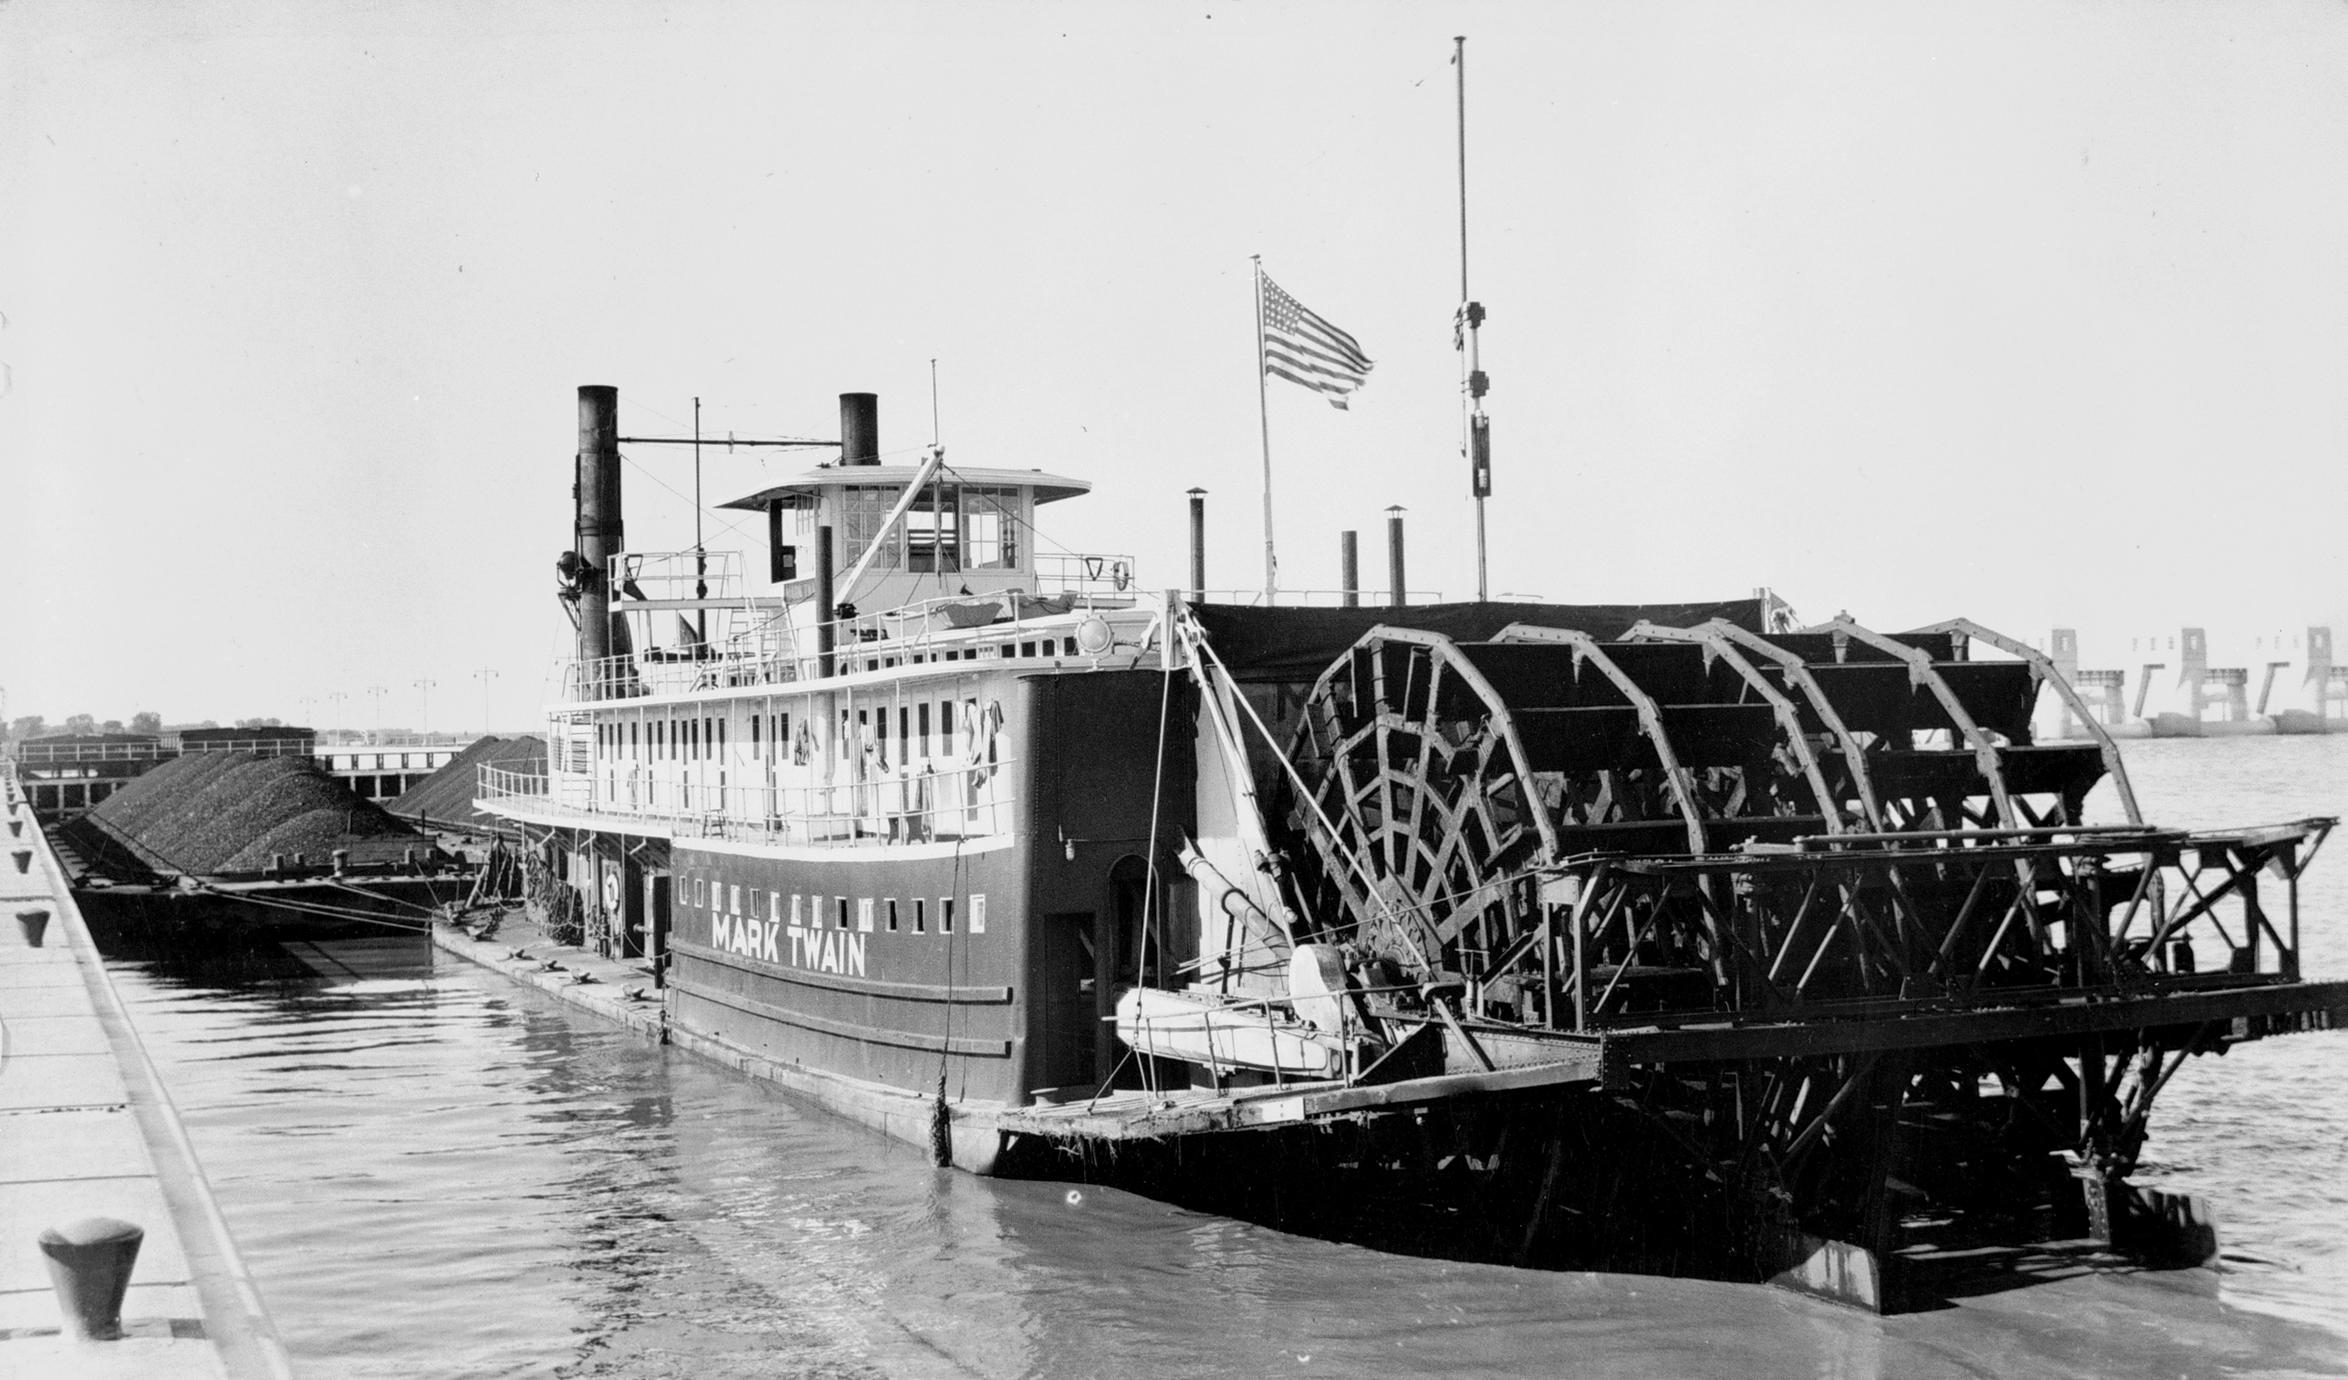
x: 1833, y: 923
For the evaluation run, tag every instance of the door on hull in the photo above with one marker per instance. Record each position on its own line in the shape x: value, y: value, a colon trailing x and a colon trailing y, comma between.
x: 656, y: 906
x: 1138, y: 953
x: 1070, y: 990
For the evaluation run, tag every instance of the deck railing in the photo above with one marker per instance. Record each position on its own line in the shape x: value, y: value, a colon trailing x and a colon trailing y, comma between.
x: 906, y: 805
x: 971, y: 626
x: 1319, y: 598
x: 1074, y: 572
x: 36, y: 752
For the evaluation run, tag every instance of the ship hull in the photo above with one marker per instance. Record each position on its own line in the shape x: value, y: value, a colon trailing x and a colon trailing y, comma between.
x: 921, y: 987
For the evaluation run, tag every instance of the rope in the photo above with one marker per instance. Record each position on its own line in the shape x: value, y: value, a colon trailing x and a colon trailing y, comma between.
x: 1149, y: 893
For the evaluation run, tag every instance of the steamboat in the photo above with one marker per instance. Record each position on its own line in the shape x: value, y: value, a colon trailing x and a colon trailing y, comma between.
x: 1652, y: 937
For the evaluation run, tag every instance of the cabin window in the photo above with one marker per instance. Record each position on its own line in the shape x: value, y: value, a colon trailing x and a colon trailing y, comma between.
x: 945, y: 915
x: 863, y: 508
x: 798, y: 916
x: 700, y: 895
x: 733, y: 900
x: 945, y: 728
x: 864, y: 914
x: 774, y: 907
x: 978, y: 912
x: 990, y: 528
x: 841, y: 904
x: 904, y: 735
x: 922, y: 718
x: 933, y: 527
x: 892, y: 915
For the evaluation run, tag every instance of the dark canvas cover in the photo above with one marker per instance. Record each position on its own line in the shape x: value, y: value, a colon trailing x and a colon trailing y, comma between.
x: 1298, y: 644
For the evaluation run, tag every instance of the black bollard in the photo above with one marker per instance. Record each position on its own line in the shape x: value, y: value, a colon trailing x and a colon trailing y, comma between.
x: 34, y: 923
x: 89, y: 1264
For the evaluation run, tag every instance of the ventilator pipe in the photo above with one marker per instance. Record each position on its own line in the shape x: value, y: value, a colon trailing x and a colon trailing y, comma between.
x: 1349, y: 567
x: 1198, y: 544
x: 90, y: 1262
x: 1394, y: 555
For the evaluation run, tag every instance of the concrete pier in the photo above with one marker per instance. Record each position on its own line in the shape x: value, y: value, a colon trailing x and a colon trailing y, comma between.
x: 87, y: 1131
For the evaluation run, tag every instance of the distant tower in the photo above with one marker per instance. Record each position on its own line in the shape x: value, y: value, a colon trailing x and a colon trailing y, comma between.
x: 2064, y: 652
x: 2192, y: 669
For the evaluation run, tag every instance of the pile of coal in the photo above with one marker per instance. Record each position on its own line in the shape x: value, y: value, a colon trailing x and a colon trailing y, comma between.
x: 444, y: 800
x: 229, y: 813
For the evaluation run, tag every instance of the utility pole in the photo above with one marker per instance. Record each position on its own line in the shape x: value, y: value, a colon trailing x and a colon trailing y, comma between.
x: 424, y: 706
x: 338, y: 697
x: 378, y: 692
x: 485, y: 675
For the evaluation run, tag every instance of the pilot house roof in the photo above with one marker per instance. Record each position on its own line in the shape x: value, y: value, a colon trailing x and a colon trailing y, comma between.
x: 1047, y: 487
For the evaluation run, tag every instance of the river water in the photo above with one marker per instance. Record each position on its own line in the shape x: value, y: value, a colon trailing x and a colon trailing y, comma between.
x: 433, y: 1172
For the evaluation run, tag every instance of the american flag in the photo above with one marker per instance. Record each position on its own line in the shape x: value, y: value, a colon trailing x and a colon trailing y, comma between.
x: 1301, y: 347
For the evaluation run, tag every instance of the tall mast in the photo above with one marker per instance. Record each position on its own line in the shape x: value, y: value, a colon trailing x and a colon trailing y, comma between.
x: 700, y: 557
x: 1476, y: 443
x: 1264, y: 421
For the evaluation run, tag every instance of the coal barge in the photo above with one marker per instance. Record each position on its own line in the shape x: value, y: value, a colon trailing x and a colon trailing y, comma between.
x: 1669, y: 938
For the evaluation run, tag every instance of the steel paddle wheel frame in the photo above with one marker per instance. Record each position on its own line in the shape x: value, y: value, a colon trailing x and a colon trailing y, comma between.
x: 1814, y: 907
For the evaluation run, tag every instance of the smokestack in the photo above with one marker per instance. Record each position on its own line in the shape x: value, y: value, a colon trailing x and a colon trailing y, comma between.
x: 859, y: 428
x: 1198, y: 544
x: 1401, y: 590
x: 1349, y: 567
x: 823, y: 599
x: 596, y: 496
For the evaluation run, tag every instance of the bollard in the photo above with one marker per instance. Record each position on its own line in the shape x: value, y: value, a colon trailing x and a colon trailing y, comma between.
x: 89, y: 1265
x: 35, y: 924
x: 342, y: 861
x: 24, y: 859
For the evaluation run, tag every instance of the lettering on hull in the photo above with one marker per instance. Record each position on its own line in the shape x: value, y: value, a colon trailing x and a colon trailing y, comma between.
x: 819, y: 950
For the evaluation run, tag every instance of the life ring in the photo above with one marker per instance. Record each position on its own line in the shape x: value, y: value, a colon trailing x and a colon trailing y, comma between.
x: 1121, y: 576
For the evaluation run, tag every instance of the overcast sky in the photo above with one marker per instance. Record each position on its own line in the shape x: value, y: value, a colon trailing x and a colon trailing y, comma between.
x: 2035, y: 313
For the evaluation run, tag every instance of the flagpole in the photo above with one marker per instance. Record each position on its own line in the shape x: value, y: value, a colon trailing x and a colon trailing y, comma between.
x: 1475, y: 440
x: 1264, y: 421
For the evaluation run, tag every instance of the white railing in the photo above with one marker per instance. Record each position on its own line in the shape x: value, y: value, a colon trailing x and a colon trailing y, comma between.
x: 972, y: 624
x: 909, y: 805
x: 1083, y: 573
x: 676, y: 575
x: 1318, y: 598
x: 34, y: 752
